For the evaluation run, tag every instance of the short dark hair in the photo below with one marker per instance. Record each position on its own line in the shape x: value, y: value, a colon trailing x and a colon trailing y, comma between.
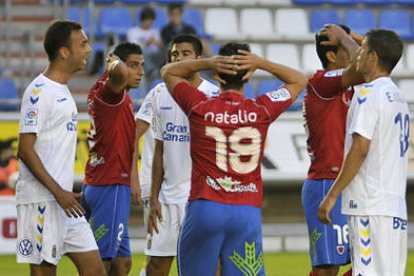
x: 197, y: 45
x: 124, y: 49
x: 147, y: 13
x: 230, y: 49
x: 175, y: 6
x: 58, y: 35
x: 388, y: 47
x: 322, y: 50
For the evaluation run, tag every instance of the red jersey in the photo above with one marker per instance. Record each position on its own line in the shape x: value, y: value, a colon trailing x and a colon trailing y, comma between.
x: 227, y: 139
x: 111, y: 136
x: 325, y: 109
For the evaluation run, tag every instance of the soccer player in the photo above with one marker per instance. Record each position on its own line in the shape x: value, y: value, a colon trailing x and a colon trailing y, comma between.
x: 373, y: 176
x: 50, y: 220
x: 107, y: 192
x: 171, y: 170
x: 228, y: 132
x: 325, y: 108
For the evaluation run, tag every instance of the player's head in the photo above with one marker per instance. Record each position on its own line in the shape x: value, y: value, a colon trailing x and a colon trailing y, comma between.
x: 131, y: 55
x: 147, y: 17
x: 65, y: 40
x: 175, y: 12
x: 233, y: 81
x: 380, y: 49
x: 184, y: 47
x: 334, y: 57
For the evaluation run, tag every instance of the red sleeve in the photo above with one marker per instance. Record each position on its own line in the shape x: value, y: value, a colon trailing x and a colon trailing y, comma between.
x: 326, y: 84
x: 187, y: 96
x: 105, y: 93
x: 276, y: 101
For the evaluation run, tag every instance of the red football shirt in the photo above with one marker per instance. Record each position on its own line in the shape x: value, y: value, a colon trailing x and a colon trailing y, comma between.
x: 325, y: 110
x: 227, y: 139
x: 111, y: 136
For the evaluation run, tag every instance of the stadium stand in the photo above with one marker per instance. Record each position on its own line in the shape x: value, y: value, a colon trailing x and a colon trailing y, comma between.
x: 359, y: 20
x: 286, y: 30
x: 115, y: 20
x: 9, y: 99
x: 398, y: 21
x: 161, y: 17
x: 256, y: 24
x: 216, y: 18
x: 285, y: 53
x: 318, y: 18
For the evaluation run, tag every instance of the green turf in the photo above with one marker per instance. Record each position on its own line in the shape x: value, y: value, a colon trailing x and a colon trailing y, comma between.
x: 287, y: 264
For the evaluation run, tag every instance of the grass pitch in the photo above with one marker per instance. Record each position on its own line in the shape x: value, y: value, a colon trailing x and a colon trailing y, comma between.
x: 286, y: 264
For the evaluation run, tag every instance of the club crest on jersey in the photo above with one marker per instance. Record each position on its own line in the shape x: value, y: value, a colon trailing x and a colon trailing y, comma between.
x: 280, y: 95
x: 31, y: 117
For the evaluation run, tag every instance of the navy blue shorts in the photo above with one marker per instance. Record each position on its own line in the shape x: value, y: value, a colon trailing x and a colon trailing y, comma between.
x: 328, y: 243
x: 107, y: 210
x: 213, y: 231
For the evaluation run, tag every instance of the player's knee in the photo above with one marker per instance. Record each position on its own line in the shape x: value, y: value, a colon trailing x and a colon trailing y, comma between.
x: 327, y: 270
x: 158, y: 266
x: 93, y: 270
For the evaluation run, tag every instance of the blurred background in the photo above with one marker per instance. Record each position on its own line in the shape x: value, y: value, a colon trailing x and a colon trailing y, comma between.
x: 280, y: 30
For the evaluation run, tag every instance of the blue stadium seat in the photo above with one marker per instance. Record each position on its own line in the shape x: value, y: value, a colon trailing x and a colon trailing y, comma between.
x: 115, y: 20
x: 265, y: 86
x: 74, y: 14
x: 161, y: 18
x: 318, y: 18
x: 342, y: 2
x: 376, y: 2
x: 297, y: 104
x: 215, y: 47
x: 8, y: 92
x: 142, y: 2
x: 249, y: 91
x: 360, y: 21
x: 398, y: 21
x: 167, y: 2
x: 104, y: 1
x: 404, y: 2
x: 308, y: 2
x: 193, y: 17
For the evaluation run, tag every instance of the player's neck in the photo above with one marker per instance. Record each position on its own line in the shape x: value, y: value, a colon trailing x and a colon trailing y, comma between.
x: 195, y: 80
x: 57, y: 73
x: 375, y: 74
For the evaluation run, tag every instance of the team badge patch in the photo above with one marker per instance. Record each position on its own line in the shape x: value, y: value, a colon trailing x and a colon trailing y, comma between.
x: 25, y: 247
x: 340, y: 249
x: 280, y: 95
x: 31, y: 117
x: 147, y: 109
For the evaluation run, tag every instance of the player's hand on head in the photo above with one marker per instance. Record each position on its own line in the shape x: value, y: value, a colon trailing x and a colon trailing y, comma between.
x: 70, y: 203
x: 325, y: 208
x: 248, y: 61
x: 223, y: 65
x: 334, y: 33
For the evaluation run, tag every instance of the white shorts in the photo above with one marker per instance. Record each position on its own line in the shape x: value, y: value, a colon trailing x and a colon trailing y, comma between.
x: 165, y: 243
x: 46, y: 233
x: 378, y: 245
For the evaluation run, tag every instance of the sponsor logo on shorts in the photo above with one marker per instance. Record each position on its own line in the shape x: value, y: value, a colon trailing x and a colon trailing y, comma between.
x: 31, y: 117
x: 252, y: 263
x: 25, y: 247
x: 54, y: 251
x: 399, y: 224
x: 314, y: 237
x: 40, y: 221
x: 340, y: 249
x: 280, y: 95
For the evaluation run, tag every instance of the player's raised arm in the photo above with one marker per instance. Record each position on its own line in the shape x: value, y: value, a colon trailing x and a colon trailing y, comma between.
x: 338, y: 37
x: 117, y: 74
x: 176, y: 72
x: 294, y: 80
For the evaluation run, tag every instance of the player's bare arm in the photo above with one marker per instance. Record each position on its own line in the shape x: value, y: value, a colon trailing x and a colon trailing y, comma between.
x: 117, y: 74
x: 140, y: 128
x: 338, y: 37
x: 294, y: 81
x: 176, y: 72
x: 350, y: 167
x: 67, y: 200
x: 157, y: 177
